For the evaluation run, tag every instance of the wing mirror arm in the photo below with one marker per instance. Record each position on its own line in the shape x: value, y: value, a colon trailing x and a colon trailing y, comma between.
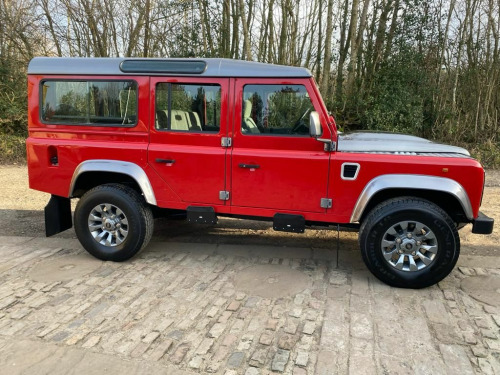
x: 316, y: 131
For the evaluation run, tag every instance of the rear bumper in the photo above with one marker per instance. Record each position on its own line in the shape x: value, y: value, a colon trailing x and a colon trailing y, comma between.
x: 482, y: 224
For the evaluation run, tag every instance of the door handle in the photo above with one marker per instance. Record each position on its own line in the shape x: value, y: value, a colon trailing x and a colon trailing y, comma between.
x: 250, y: 166
x: 165, y: 161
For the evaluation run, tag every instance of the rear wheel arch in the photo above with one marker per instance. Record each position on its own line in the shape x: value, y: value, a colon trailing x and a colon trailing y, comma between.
x: 91, y: 179
x: 92, y: 173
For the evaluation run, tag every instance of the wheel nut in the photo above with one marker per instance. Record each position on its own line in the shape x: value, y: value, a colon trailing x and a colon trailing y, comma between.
x: 413, y: 253
x: 419, y: 243
x: 400, y: 251
x: 398, y: 240
x: 409, y: 235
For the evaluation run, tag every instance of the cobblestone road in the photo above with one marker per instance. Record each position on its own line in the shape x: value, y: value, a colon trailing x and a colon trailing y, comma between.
x: 181, y: 308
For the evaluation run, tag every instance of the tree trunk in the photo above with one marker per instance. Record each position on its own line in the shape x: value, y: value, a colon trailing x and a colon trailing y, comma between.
x: 342, y: 53
x: 351, y: 67
x: 392, y: 29
x: 379, y: 42
x: 325, y: 81
x: 282, y: 48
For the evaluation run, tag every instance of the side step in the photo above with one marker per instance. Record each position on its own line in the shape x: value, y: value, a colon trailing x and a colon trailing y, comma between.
x: 289, y: 223
x: 201, y: 215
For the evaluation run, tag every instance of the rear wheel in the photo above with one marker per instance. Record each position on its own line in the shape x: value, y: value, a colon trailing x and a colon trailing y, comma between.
x: 409, y: 243
x: 113, y: 222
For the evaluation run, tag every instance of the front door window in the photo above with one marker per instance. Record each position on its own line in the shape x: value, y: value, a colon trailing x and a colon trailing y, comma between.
x: 276, y: 110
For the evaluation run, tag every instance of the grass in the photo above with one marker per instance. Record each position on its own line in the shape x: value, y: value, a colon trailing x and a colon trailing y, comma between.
x: 12, y: 149
x: 488, y: 153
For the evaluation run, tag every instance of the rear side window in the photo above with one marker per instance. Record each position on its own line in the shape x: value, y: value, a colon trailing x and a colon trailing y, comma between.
x: 99, y: 103
x: 188, y: 107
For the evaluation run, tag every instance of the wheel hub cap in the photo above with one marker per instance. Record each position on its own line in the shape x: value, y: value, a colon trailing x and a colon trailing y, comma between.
x: 108, y: 224
x: 409, y: 246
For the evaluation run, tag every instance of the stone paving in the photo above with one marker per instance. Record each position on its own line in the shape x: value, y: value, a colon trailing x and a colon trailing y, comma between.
x: 181, y: 308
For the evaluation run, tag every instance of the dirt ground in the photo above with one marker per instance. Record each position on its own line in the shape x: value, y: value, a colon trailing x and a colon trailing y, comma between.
x: 21, y: 214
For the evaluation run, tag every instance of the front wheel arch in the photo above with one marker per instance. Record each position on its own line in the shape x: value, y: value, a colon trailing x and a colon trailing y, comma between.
x: 447, y: 202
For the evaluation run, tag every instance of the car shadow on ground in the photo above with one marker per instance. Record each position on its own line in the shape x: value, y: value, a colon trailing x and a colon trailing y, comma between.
x: 247, y: 232
x: 257, y: 237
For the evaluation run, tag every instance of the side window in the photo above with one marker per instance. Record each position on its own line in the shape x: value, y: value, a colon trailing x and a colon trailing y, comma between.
x: 111, y: 103
x: 188, y: 107
x: 276, y: 110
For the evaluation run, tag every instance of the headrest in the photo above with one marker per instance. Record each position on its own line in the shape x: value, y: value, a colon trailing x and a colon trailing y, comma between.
x: 247, y: 108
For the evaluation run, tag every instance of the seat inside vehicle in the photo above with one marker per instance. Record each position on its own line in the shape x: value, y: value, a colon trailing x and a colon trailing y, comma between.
x: 181, y: 120
x: 249, y: 125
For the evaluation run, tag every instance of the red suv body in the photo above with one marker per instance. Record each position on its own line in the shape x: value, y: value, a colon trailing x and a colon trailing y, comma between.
x: 218, y: 137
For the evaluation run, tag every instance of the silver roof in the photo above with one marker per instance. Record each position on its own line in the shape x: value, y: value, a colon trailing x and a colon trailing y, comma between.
x: 111, y: 66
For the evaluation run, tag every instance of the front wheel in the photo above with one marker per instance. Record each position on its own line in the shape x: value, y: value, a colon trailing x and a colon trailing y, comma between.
x: 113, y: 222
x: 409, y: 243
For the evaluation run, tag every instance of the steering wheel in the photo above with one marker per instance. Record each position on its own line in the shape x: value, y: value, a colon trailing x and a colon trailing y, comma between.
x: 300, y: 124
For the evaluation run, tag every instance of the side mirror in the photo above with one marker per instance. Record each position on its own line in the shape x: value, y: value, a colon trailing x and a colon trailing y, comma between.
x: 315, y: 129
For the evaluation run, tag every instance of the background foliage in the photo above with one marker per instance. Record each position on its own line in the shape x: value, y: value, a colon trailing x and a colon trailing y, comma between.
x: 429, y: 68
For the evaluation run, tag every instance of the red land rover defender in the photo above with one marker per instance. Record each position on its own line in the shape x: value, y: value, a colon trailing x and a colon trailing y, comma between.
x: 217, y: 137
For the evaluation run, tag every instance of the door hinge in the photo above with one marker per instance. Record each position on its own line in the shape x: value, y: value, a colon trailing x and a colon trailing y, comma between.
x: 224, y: 195
x: 329, y: 145
x: 326, y: 203
x: 226, y: 142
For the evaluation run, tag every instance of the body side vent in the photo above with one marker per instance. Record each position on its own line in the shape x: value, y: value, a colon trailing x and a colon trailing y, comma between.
x: 349, y: 171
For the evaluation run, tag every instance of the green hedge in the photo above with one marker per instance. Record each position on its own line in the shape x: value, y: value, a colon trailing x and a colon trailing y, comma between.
x: 12, y: 149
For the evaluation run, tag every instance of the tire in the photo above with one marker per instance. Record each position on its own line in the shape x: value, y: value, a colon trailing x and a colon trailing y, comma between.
x: 404, y: 229
x: 113, y: 222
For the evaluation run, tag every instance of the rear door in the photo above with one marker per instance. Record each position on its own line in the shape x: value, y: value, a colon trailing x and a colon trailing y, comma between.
x: 190, y: 120
x: 275, y: 163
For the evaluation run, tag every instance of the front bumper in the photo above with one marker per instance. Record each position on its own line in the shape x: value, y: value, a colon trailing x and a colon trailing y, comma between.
x: 482, y: 224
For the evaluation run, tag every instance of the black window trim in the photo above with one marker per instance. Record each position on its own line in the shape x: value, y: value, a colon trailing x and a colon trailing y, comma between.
x: 96, y: 125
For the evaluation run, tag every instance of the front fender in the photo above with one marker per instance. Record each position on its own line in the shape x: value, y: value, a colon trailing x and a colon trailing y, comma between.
x: 407, y: 181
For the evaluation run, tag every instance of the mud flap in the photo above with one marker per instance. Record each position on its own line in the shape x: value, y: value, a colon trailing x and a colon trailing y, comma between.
x: 57, y: 215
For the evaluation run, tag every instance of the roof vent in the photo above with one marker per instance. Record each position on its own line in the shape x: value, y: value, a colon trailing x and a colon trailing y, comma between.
x: 163, y: 66
x: 349, y: 171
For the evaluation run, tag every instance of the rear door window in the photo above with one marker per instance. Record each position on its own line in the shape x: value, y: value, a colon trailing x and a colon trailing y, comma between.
x: 188, y: 107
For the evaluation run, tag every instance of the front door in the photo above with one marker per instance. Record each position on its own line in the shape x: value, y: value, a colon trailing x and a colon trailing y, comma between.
x: 275, y: 163
x: 190, y: 119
